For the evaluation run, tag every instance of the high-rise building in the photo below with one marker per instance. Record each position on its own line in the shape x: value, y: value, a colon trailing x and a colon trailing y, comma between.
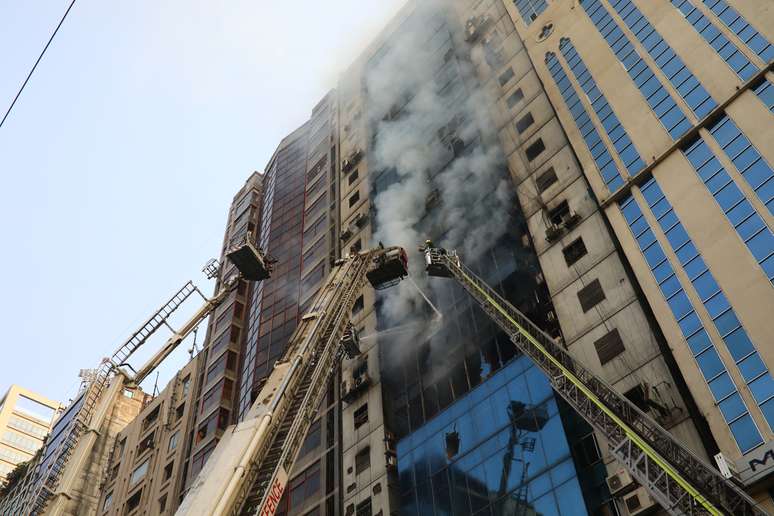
x: 668, y: 108
x: 602, y: 164
x: 657, y: 325
x: 25, y: 420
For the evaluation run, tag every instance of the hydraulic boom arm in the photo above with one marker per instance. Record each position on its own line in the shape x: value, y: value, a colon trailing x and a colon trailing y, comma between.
x: 248, y: 470
x: 677, y: 479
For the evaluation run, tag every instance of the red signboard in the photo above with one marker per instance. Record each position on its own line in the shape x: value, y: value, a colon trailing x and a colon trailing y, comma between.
x: 274, y: 494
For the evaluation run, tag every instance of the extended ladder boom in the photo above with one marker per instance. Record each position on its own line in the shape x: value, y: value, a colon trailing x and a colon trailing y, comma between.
x: 248, y: 470
x: 48, y: 482
x: 677, y: 479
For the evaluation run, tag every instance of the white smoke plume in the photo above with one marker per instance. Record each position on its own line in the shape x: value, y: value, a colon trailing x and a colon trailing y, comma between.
x: 473, y: 188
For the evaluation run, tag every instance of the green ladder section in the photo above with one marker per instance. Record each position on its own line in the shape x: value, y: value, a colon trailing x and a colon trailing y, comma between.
x: 683, y: 484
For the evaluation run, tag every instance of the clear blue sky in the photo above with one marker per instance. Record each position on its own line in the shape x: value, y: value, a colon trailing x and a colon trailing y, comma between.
x: 120, y: 159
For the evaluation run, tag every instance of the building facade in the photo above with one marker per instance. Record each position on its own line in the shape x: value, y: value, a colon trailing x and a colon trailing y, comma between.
x: 25, y: 420
x: 603, y: 164
x: 215, y: 390
x: 668, y: 107
x: 625, y: 320
x: 148, y: 462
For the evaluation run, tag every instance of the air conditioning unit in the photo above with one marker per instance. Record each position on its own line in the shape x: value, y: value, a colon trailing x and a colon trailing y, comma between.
x: 639, y: 503
x: 352, y: 388
x: 358, y: 221
x: 572, y: 219
x: 346, y: 234
x: 619, y: 482
x: 553, y: 232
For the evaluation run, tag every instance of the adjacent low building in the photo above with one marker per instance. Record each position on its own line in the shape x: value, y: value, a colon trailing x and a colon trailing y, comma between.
x: 25, y: 420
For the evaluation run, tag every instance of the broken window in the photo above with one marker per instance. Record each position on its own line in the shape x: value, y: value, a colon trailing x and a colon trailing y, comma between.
x: 574, y: 252
x: 639, y: 396
x: 559, y: 213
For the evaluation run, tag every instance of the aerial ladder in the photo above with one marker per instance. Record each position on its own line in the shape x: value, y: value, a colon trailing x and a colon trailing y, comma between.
x: 49, y: 481
x: 247, y: 472
x: 679, y: 481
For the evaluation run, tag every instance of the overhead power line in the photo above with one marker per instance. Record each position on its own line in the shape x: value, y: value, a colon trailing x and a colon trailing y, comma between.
x: 18, y: 94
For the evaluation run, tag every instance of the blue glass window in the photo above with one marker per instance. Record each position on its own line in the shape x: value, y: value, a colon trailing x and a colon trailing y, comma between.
x: 746, y: 158
x: 665, y: 108
x: 717, y: 40
x: 738, y: 343
x: 748, y: 224
x: 712, y: 367
x: 694, y: 94
x: 607, y: 167
x: 765, y: 92
x: 739, y: 26
x: 469, y: 481
x: 621, y: 141
x: 530, y: 9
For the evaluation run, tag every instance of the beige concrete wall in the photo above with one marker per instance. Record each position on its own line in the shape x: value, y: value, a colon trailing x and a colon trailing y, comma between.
x: 733, y: 267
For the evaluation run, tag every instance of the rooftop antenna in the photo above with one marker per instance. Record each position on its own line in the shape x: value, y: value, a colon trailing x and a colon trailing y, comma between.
x: 156, y: 385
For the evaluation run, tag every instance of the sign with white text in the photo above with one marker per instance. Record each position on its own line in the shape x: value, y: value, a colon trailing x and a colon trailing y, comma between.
x: 274, y: 493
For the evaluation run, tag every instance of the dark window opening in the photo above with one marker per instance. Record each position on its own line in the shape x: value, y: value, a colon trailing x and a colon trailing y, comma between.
x: 168, y: 470
x: 358, y: 306
x: 151, y: 418
x: 353, y: 177
x: 146, y: 443
x: 354, y: 199
x: 506, y: 76
x: 134, y: 501
x: 587, y: 451
x: 514, y: 98
x: 312, y: 441
x: 363, y: 508
x: 361, y: 416
x: 574, y: 251
x: 362, y: 460
x: 559, y: 213
x: 591, y: 295
x: 524, y: 123
x: 639, y: 397
x: 546, y: 179
x: 534, y: 150
x: 609, y: 346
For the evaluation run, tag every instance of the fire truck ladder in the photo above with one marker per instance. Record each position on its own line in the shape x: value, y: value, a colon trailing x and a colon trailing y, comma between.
x: 38, y: 497
x: 678, y: 480
x: 247, y: 471
x: 316, y: 354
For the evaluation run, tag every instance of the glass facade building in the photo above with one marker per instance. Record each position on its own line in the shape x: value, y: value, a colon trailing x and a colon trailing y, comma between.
x: 500, y: 449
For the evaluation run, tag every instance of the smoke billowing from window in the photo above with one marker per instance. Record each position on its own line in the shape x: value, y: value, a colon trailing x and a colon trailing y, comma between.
x: 433, y: 135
